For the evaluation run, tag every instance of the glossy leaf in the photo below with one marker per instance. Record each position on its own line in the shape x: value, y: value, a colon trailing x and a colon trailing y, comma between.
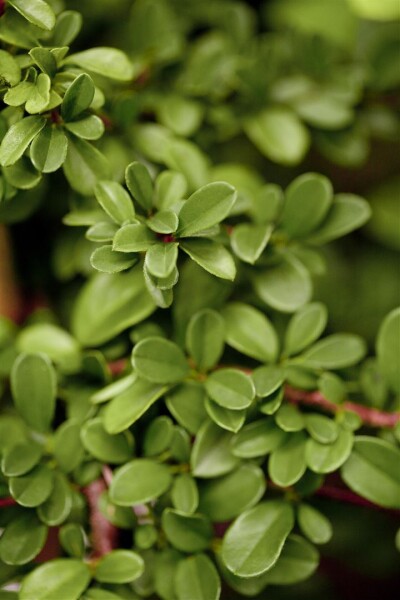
x: 22, y: 539
x: 103, y: 446
x: 84, y: 165
x: 206, y: 207
x: 335, y: 352
x: 37, y: 12
x: 56, y: 578
x: 109, y: 62
x: 18, y: 138
x: 249, y: 241
x: 159, y: 360
x: 49, y: 149
x: 196, y: 577
x: 305, y: 327
x: 78, y: 97
x: 140, y: 184
x: 307, y: 201
x: 287, y: 463
x: 115, y: 200
x: 33, y: 488
x: 326, y: 458
x: 139, y: 481
x: 211, y: 256
x: 119, y: 566
x: 258, y: 439
x: 230, y: 388
x: 211, y: 452
x: 205, y: 338
x: 314, y: 524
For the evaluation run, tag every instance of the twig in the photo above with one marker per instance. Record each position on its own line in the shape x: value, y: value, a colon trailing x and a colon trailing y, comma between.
x: 369, y: 416
x: 104, y: 535
x: 7, y: 501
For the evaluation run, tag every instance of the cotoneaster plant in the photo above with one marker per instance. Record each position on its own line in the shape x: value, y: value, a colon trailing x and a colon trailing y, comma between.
x: 175, y: 405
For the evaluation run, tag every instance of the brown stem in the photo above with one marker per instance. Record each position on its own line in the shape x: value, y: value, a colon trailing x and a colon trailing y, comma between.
x: 104, y: 534
x: 369, y: 416
x: 10, y: 299
x: 7, y: 501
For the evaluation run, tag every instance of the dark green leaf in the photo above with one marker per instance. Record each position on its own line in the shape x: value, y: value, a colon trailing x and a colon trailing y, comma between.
x: 49, y: 149
x: 388, y: 349
x: 188, y: 533
x: 326, y: 458
x: 103, y: 446
x: 211, y: 453
x: 258, y: 439
x: 56, y: 578
x: 115, y: 200
x: 84, y: 166
x: 140, y: 184
x: 18, y: 138
x: 139, y: 481
x: 22, y: 539
x: 78, y: 97
x: 205, y: 338
x: 184, y: 493
x: 307, y: 201
x: 299, y: 560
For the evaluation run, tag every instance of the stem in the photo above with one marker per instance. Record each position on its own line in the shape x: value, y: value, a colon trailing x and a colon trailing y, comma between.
x: 103, y: 533
x: 10, y: 298
x: 369, y: 416
x: 8, y: 501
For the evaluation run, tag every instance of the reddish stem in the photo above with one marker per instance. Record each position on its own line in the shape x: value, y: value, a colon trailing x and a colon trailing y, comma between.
x: 8, y: 501
x: 103, y: 533
x: 369, y: 416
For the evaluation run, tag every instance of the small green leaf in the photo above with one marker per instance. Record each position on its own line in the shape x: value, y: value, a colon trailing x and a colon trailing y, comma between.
x: 158, y: 436
x: 34, y: 385
x: 206, y: 207
x: 184, y: 493
x: 372, y: 471
x: 254, y: 541
x: 298, y: 560
x: 289, y: 418
x: 72, y: 539
x: 348, y: 212
x: 244, y: 487
x: 197, y: 578
x: 164, y: 221
x: 78, y: 97
x: 22, y: 540
x: 388, y: 350
x: 68, y: 448
x: 326, y: 458
x: 33, y: 488
x: 188, y: 533
x: 211, y: 452
x: 84, y: 166
x: 279, y: 134
x: 106, y: 260
x: 336, y: 351
x: 305, y: 327
x: 18, y: 138
x: 102, y: 231
x: 119, y: 566
x: 159, y: 360
x: 90, y: 127
x: 286, y: 287
x: 45, y: 60
x: 230, y: 388
x: 57, y: 506
x: 55, y: 579
x: 108, y: 62
x: 37, y: 12
x: 258, y: 439
x: 115, y: 201
x: 250, y: 332
x: 49, y: 149
x: 248, y: 241
x: 186, y: 404
x: 140, y: 184
x: 211, y: 256
x: 287, y: 463
x: 267, y: 380
x: 307, y: 201
x: 139, y: 481
x: 161, y: 259
x: 103, y: 446
x: 10, y: 71
x: 205, y: 338
x: 170, y: 188
x: 322, y: 429
x: 314, y: 524
x: 50, y: 339
x: 231, y: 420
x: 133, y: 238
x: 20, y: 458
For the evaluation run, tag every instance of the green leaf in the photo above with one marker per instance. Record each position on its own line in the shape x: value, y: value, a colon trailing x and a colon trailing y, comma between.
x: 128, y: 406
x: 32, y: 488
x: 133, y: 238
x: 244, y: 487
x: 90, y: 127
x: 289, y: 418
x: 139, y: 481
x: 230, y: 388
x: 22, y: 174
x: 72, y: 539
x: 250, y: 332
x: 108, y: 304
x: 211, y: 256
x: 197, y: 578
x: 108, y: 62
x: 18, y: 138
x: 258, y: 439
x: 267, y: 380
x: 49, y: 149
x: 170, y: 188
x: 140, y: 184
x: 119, y: 566
x: 326, y: 458
x: 158, y: 436
x: 208, y: 206
x: 305, y: 327
x: 39, y: 96
x: 336, y: 351
x: 186, y: 404
x: 37, y: 12
x: 164, y: 221
x: 10, y: 71
x: 286, y: 287
x: 231, y: 420
x: 58, y: 505
x: 50, y: 339
x: 181, y: 115
x: 101, y: 445
x: 372, y: 471
x: 384, y: 11
x: 45, y: 60
x: 106, y: 260
x: 20, y: 458
x: 34, y: 385
x: 332, y: 387
x: 322, y: 429
x: 159, y: 360
x: 161, y: 259
x: 279, y: 135
x: 68, y: 448
x: 188, y: 533
x: 254, y: 541
x: 187, y: 158
x: 287, y: 463
x: 78, y: 97
x: 348, y: 212
x: 184, y: 494
x: 102, y: 231
x: 248, y: 241
x: 211, y: 452
x: 307, y: 201
x: 205, y: 338
x: 55, y: 579
x: 314, y: 524
x: 388, y: 350
x: 84, y: 166
x: 298, y: 560
x: 115, y: 201
x: 22, y: 540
